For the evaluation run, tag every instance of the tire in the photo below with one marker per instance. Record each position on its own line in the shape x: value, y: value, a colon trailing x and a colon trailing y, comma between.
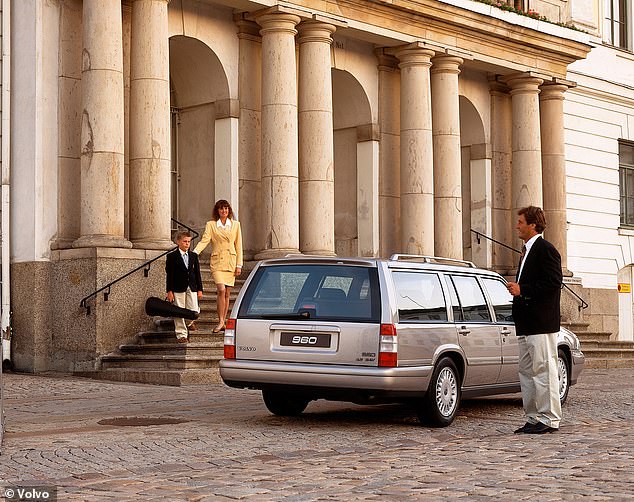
x: 284, y: 404
x: 442, y: 400
x: 563, y: 368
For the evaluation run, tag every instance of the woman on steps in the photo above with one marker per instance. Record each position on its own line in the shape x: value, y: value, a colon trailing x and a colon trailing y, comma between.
x: 225, y: 236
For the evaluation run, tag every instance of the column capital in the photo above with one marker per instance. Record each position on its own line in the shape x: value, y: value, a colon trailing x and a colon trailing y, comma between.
x: 387, y: 62
x: 523, y: 83
x: 446, y: 63
x: 551, y: 90
x: 414, y: 55
x: 496, y: 86
x: 316, y: 31
x: 277, y: 20
x: 247, y: 28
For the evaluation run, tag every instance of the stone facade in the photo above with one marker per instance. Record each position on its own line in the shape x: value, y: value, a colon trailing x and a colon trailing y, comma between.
x: 339, y: 127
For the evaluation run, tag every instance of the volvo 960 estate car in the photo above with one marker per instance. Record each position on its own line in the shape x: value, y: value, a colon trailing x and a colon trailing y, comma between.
x: 416, y: 329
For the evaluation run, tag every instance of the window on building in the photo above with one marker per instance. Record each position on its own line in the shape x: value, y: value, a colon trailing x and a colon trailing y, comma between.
x: 626, y: 182
x: 618, y: 23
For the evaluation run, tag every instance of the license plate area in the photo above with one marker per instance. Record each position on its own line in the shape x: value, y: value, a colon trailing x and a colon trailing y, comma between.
x: 318, y: 340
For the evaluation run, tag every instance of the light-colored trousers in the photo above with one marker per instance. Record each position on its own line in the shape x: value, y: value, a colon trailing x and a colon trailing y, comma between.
x: 189, y: 300
x: 539, y: 378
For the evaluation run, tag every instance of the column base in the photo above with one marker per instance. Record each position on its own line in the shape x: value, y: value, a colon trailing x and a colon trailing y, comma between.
x: 153, y: 244
x: 318, y: 252
x: 62, y: 243
x: 102, y: 241
x: 267, y: 254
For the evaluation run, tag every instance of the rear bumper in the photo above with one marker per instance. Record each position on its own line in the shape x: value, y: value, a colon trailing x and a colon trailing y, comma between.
x: 263, y: 374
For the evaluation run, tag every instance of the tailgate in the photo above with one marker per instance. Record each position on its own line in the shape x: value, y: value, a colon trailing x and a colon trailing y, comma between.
x: 308, y: 342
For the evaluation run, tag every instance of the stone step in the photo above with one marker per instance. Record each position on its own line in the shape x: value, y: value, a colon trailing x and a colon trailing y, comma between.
x: 156, y: 377
x: 608, y: 363
x: 591, y: 344
x: 165, y: 362
x: 200, y: 335
x: 603, y: 336
x: 576, y: 327
x: 191, y: 348
x: 608, y: 353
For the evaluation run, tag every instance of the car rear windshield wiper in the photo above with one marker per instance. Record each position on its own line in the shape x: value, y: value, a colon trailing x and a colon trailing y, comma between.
x: 289, y: 315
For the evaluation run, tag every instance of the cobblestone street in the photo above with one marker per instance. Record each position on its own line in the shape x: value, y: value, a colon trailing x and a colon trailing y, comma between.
x: 225, y: 445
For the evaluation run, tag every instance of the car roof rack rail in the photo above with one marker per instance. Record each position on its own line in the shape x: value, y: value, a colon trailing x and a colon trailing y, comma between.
x: 432, y: 259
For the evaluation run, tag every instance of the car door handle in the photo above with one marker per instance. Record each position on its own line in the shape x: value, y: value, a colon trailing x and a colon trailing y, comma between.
x: 505, y: 332
x: 464, y: 331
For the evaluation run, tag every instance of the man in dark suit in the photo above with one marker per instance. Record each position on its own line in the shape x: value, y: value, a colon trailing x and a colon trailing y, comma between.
x: 536, y: 312
x: 184, y: 284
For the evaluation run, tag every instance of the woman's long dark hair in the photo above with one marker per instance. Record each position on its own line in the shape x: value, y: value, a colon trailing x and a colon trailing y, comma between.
x: 219, y: 205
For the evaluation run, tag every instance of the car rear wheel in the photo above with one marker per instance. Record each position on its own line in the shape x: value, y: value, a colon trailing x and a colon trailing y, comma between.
x: 440, y: 404
x: 284, y: 404
x: 563, y: 367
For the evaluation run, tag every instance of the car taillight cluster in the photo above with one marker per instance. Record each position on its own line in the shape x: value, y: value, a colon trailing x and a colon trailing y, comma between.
x: 230, y: 339
x: 388, y: 349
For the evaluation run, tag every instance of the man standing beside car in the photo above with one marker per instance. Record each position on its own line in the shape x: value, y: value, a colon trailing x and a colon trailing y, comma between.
x: 536, y: 313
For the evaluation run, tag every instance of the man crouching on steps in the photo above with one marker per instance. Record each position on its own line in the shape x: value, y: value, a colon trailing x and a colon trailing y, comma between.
x: 184, y: 284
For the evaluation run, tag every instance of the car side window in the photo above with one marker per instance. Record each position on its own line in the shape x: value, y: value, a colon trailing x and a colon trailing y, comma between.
x: 455, y: 303
x: 472, y: 301
x: 419, y: 297
x: 501, y: 299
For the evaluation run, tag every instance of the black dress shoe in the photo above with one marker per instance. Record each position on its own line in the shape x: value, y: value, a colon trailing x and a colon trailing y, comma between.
x: 524, y: 428
x: 541, y: 428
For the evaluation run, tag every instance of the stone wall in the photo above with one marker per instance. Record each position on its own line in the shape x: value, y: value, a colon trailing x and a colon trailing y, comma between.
x: 52, y: 332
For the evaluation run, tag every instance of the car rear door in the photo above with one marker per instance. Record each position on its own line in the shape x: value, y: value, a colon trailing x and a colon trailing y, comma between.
x: 322, y: 313
x: 423, y: 319
x: 502, y: 303
x: 478, y: 336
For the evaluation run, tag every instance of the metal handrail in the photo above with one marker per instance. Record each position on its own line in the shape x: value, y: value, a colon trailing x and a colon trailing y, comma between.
x: 146, y: 266
x: 584, y: 304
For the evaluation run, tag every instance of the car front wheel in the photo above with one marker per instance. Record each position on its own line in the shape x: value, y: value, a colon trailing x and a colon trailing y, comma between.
x: 284, y: 405
x: 564, y: 375
x: 440, y: 404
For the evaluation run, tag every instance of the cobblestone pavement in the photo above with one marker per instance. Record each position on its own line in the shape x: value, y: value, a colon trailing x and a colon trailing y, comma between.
x: 227, y: 446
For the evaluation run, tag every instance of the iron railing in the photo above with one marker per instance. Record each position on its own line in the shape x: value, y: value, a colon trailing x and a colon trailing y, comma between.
x: 583, y: 305
x: 146, y: 271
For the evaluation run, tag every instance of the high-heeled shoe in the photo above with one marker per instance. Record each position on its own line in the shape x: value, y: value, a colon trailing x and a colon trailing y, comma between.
x: 218, y: 329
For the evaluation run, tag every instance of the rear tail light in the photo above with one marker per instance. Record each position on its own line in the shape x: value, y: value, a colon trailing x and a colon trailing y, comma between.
x: 230, y: 339
x: 388, y: 348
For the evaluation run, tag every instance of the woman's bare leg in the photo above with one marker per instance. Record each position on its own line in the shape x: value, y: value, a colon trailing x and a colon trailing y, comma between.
x: 227, y: 293
x: 221, y: 306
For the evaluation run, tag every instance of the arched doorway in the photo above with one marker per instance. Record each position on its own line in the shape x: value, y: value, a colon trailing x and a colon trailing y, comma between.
x: 353, y: 164
x: 198, y: 83
x: 476, y: 185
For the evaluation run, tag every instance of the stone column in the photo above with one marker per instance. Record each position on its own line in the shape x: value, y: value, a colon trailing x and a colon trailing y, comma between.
x: 250, y: 148
x: 150, y: 147
x: 551, y: 101
x: 69, y: 119
x: 280, y: 209
x: 447, y: 166
x: 526, y: 143
x: 389, y: 154
x: 316, y: 150
x: 503, y: 220
x: 417, y: 174
x: 102, y: 187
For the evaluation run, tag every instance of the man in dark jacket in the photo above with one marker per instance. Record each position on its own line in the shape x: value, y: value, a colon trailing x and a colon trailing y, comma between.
x: 536, y: 312
x: 184, y: 284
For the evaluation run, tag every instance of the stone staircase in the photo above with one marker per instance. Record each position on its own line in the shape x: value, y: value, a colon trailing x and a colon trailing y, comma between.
x: 600, y: 350
x: 157, y: 358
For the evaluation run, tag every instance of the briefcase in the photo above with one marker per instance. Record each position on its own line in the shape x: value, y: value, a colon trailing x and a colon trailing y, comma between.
x: 163, y: 308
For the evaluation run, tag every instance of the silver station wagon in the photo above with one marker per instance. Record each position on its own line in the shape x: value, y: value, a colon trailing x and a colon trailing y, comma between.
x: 423, y: 330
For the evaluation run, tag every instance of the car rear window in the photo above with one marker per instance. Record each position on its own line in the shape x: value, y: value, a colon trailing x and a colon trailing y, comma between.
x: 308, y: 292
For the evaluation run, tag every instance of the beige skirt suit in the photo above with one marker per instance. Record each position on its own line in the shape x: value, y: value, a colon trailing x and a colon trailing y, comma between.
x: 226, y: 250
